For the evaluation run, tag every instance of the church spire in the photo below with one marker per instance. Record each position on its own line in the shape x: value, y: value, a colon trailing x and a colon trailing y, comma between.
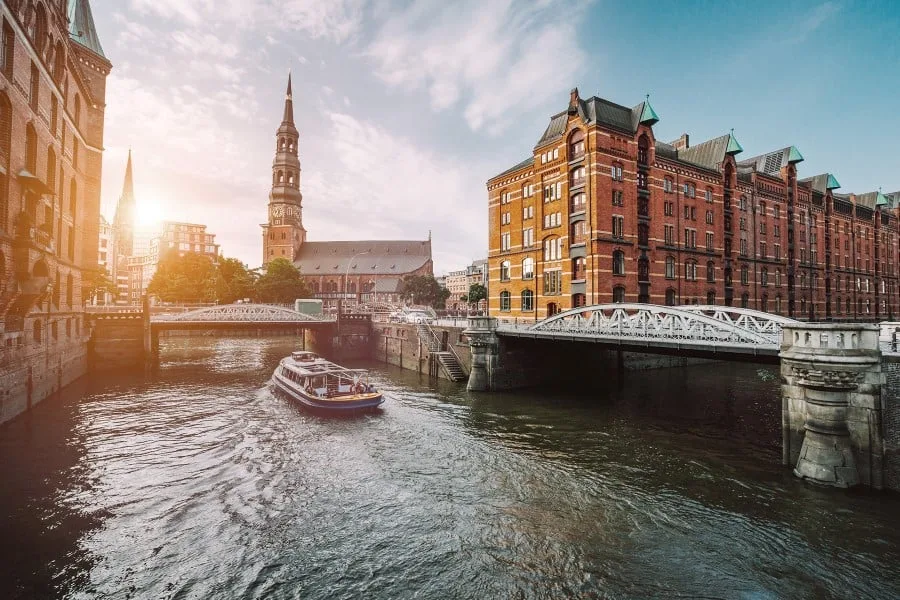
x: 128, y: 185
x: 288, y: 104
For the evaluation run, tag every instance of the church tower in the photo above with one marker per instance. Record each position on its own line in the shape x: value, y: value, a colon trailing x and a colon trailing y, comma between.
x: 284, y: 233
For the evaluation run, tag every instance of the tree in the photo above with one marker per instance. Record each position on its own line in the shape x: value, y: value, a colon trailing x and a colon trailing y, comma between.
x: 98, y: 283
x: 187, y: 278
x: 477, y: 293
x: 424, y: 290
x: 233, y: 281
x: 282, y: 283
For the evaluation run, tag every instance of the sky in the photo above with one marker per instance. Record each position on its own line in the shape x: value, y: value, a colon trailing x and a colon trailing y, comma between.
x: 406, y: 109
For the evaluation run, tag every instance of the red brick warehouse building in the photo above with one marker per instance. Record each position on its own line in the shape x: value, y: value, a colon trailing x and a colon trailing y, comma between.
x: 604, y: 212
x: 52, y: 101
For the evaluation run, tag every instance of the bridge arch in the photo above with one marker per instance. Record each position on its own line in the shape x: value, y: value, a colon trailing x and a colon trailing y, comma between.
x: 698, y: 325
x: 242, y: 313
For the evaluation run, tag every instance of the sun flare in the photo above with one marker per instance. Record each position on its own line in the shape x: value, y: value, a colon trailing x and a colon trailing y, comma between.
x: 148, y: 213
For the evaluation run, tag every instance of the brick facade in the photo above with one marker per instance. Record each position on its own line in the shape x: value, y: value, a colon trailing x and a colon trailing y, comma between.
x: 52, y: 100
x: 603, y: 212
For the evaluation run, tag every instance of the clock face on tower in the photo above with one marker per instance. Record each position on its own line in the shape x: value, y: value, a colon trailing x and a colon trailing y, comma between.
x: 278, y: 211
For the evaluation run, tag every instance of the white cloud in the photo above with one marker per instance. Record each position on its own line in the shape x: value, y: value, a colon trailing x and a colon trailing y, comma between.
x: 197, y: 42
x: 480, y: 53
x: 302, y: 60
x: 399, y: 189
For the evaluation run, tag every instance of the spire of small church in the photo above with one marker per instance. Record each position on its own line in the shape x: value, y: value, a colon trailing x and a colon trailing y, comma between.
x: 288, y: 104
x: 128, y: 185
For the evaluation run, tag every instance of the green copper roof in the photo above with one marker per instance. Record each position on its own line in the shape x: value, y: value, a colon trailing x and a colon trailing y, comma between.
x: 648, y: 115
x: 881, y: 200
x: 81, y: 26
x: 795, y: 156
x: 832, y: 183
x: 733, y: 146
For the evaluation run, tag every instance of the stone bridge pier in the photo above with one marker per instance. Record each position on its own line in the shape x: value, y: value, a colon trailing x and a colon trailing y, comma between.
x: 832, y: 403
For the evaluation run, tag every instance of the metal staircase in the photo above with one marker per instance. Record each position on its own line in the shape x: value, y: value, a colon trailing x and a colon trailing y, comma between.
x: 447, y: 359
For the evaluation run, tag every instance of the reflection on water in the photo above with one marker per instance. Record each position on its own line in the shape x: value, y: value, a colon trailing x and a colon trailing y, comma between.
x: 196, y: 482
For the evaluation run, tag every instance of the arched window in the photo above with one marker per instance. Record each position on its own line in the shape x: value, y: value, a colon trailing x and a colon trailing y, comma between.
x: 504, y: 301
x: 290, y: 178
x: 553, y: 248
x: 315, y: 287
x: 73, y: 197
x: 576, y: 176
x: 576, y: 144
x: 51, y: 168
x: 711, y: 297
x: 670, y: 267
x: 710, y: 272
x: 579, y: 202
x: 577, y: 233
x: 57, y: 289
x: 69, y: 290
x: 848, y: 306
x: 552, y: 309
x: 578, y: 268
x: 764, y: 303
x: 643, y: 149
x: 690, y: 270
x: 619, y: 294
x: 527, y: 301
x: 670, y: 297
x: 778, y: 304
x: 504, y: 270
x: 351, y: 287
x: 528, y: 268
x: 39, y: 32
x: 30, y: 149
x: 745, y: 300
x: 59, y: 63
x: 281, y: 143
x: 578, y: 300
x: 764, y: 276
x: 280, y: 176
x: 745, y: 275
x: 618, y: 262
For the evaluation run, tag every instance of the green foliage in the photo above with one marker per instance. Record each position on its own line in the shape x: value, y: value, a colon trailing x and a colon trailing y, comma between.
x: 477, y: 293
x: 188, y: 278
x: 233, y: 281
x: 98, y: 282
x: 281, y: 283
x: 423, y: 289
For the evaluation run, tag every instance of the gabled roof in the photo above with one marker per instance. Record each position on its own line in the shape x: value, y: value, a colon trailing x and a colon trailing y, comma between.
x: 773, y: 162
x: 822, y: 183
x: 868, y: 199
x: 81, y: 26
x: 382, y: 257
x: 597, y: 111
x: 524, y: 163
x: 711, y: 153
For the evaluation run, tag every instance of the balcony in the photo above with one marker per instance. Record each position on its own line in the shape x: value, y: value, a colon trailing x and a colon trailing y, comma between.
x: 643, y: 207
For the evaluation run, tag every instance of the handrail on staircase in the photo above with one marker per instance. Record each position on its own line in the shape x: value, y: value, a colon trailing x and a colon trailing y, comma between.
x: 438, y: 343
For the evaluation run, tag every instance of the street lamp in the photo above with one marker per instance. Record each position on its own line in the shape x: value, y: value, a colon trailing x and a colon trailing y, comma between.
x: 347, y: 275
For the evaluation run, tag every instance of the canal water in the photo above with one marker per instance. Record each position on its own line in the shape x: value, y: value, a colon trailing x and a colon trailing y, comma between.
x: 197, y: 482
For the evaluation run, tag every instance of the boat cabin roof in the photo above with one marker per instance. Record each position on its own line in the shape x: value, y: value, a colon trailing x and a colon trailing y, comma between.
x: 318, y: 366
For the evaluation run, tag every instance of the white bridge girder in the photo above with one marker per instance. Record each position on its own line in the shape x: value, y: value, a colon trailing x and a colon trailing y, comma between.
x: 241, y: 313
x: 696, y: 325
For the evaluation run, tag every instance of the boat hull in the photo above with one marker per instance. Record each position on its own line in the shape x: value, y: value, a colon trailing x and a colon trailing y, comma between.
x: 340, y: 405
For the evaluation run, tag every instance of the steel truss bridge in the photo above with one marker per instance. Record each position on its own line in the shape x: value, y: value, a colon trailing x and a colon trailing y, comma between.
x: 239, y: 316
x: 701, y: 330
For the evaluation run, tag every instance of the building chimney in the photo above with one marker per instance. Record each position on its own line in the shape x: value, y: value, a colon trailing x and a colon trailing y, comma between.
x: 682, y: 143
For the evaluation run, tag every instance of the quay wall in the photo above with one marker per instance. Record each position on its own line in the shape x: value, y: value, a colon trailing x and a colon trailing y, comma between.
x: 117, y: 341
x: 30, y: 376
x: 890, y: 414
x: 398, y: 344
